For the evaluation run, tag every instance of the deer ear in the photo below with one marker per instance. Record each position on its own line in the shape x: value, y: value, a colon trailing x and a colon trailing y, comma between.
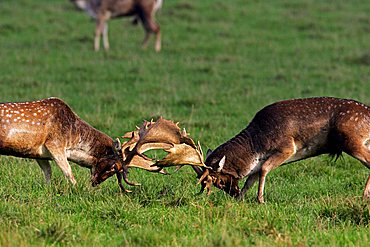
x: 117, y: 145
x: 221, y: 164
x: 209, y: 152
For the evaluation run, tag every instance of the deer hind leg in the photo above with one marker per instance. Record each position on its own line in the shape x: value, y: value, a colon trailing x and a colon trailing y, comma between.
x: 274, y: 161
x: 248, y: 184
x: 361, y: 151
x: 46, y: 168
x: 151, y: 27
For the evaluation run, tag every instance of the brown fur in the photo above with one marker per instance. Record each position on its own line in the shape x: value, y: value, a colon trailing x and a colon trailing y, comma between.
x: 292, y: 130
x: 49, y: 130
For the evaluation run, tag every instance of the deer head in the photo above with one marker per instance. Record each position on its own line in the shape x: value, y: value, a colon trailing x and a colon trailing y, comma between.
x: 111, y: 167
x: 213, y: 174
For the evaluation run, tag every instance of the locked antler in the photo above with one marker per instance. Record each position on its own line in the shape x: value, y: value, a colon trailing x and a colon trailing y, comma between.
x: 166, y: 135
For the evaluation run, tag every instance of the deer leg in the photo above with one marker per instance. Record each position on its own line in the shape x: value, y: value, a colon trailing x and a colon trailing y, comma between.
x: 151, y: 27
x: 105, y: 37
x: 158, y: 41
x: 274, y: 161
x: 361, y: 151
x: 65, y: 167
x: 145, y: 40
x: 98, y: 32
x: 60, y: 158
x: 46, y: 168
x: 248, y: 184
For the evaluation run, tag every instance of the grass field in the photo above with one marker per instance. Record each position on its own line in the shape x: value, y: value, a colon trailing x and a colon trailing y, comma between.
x: 221, y: 62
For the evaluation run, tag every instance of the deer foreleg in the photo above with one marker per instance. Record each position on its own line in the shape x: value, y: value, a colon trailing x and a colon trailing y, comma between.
x: 60, y: 158
x: 274, y: 161
x: 248, y: 184
x: 105, y: 37
x: 98, y: 32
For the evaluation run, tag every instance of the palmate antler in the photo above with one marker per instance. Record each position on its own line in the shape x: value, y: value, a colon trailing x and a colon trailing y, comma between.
x: 162, y: 134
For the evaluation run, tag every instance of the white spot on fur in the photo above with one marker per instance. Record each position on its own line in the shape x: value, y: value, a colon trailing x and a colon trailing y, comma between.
x: 221, y: 164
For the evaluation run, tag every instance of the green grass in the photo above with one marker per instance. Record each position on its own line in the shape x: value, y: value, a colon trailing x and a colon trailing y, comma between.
x: 221, y: 62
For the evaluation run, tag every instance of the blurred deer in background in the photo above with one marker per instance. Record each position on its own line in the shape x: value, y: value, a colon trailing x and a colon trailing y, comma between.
x: 49, y: 130
x: 104, y: 10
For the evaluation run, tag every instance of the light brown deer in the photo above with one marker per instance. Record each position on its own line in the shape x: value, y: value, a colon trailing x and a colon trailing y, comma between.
x: 49, y: 130
x: 282, y: 133
x: 103, y: 10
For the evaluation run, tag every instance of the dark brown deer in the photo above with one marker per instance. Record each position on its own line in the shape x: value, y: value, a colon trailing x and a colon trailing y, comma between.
x: 285, y: 132
x: 103, y: 10
x: 288, y: 131
x: 49, y: 130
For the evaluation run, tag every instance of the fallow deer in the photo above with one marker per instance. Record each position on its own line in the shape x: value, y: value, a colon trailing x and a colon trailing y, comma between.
x: 289, y: 131
x: 103, y: 10
x: 49, y: 130
x: 282, y: 133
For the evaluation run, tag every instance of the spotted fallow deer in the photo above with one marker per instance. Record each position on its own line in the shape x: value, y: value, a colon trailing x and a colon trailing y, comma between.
x: 49, y: 130
x: 288, y: 131
x: 103, y: 10
x: 285, y: 132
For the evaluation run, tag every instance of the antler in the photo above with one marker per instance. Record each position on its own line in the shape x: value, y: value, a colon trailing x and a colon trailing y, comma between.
x: 162, y: 134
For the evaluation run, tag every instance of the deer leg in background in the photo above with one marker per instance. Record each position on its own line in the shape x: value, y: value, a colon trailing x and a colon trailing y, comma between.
x: 151, y: 27
x: 46, y: 168
x: 248, y: 184
x: 274, y: 161
x: 105, y: 37
x: 98, y: 32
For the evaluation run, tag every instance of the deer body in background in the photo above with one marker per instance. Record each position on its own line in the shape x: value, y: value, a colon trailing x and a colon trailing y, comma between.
x: 103, y: 10
x: 288, y: 131
x: 49, y: 130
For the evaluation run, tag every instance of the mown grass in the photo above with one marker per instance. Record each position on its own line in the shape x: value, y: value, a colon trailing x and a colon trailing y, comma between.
x: 221, y: 62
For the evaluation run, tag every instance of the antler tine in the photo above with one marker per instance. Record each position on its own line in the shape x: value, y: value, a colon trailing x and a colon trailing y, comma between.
x: 204, y: 175
x: 119, y: 179
x: 206, y: 181
x: 200, y: 150
x: 128, y: 182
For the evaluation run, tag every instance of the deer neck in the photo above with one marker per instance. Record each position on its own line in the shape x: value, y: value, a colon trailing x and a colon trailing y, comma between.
x: 88, y: 145
x: 243, y: 154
